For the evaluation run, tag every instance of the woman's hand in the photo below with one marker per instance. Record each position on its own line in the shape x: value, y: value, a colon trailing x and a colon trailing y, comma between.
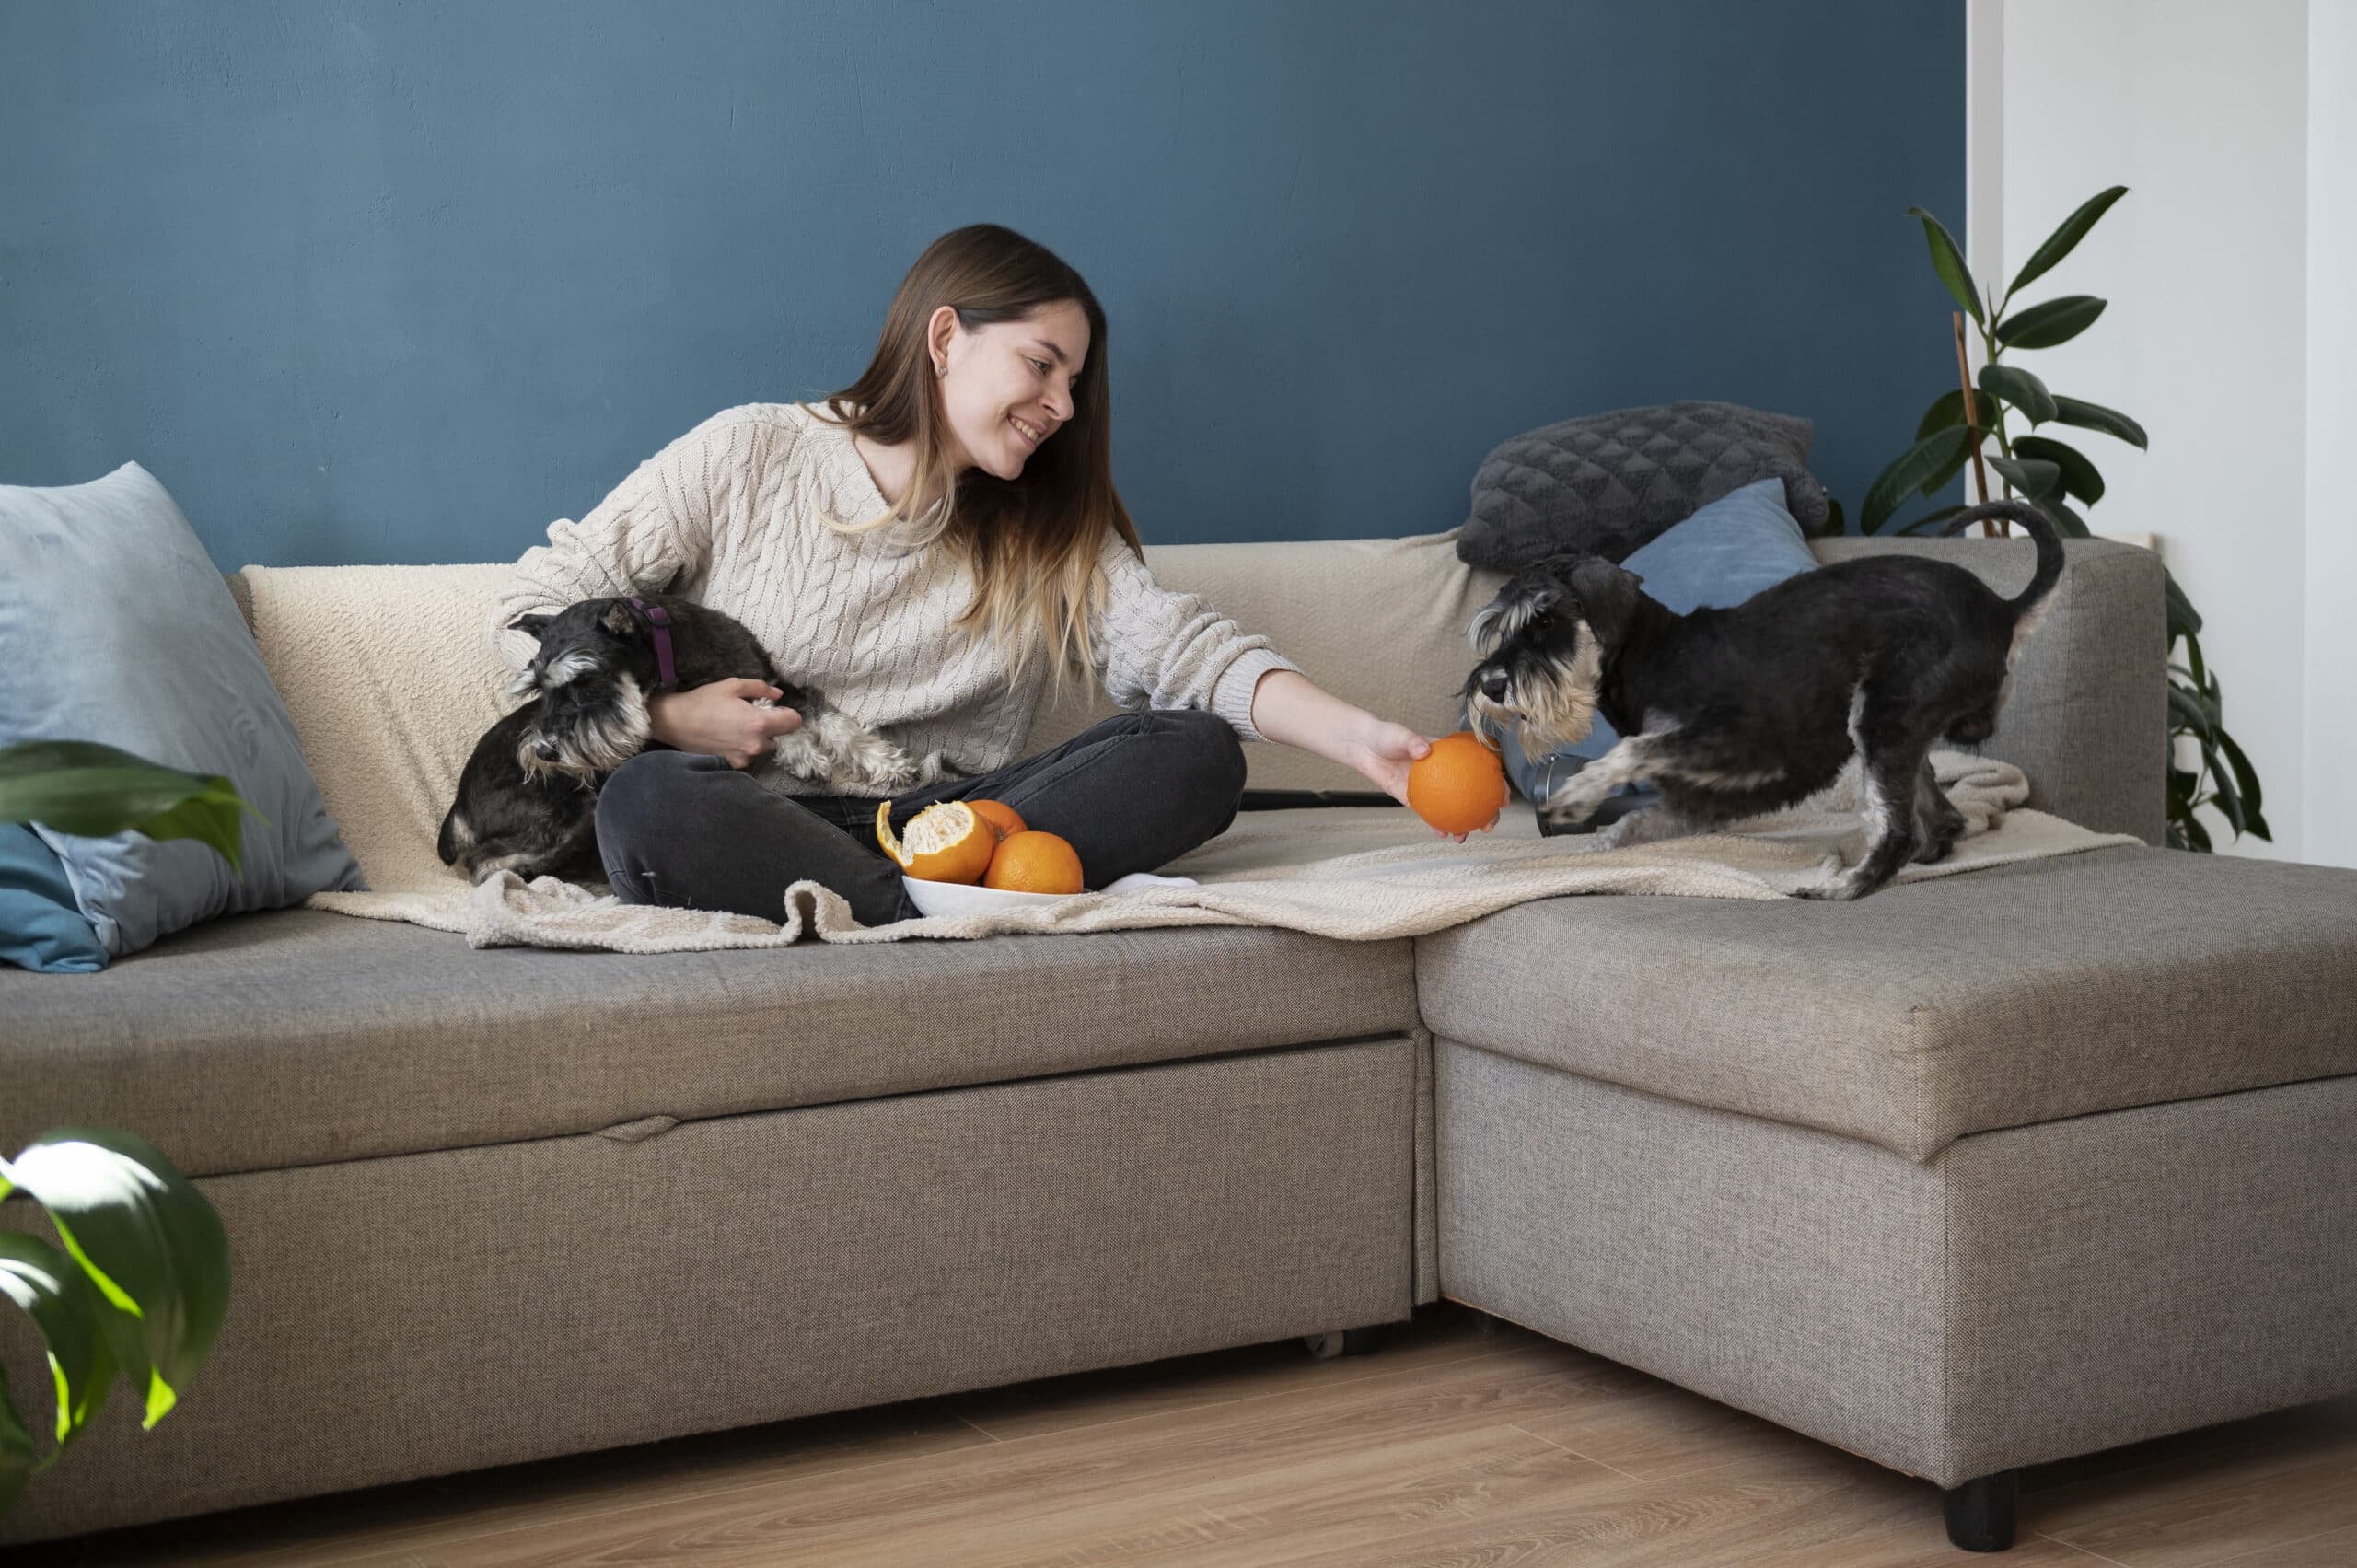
x: 721, y: 720
x: 1295, y: 709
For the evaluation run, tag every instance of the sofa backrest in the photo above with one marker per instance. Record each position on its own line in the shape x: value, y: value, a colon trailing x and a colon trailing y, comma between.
x: 1381, y: 622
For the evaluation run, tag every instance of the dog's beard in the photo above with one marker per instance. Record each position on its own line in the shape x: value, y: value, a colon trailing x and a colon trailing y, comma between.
x: 1551, y: 705
x: 591, y: 739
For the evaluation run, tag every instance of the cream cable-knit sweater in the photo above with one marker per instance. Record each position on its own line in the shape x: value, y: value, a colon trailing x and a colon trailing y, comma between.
x: 731, y: 514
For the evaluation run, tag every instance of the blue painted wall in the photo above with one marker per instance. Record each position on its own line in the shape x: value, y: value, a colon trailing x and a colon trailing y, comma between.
x: 378, y: 282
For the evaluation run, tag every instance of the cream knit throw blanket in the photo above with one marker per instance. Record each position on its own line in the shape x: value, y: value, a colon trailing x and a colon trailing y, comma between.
x: 390, y: 682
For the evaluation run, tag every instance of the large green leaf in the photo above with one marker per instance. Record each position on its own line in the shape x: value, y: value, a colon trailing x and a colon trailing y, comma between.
x: 2184, y: 619
x: 2065, y: 238
x: 2054, y: 322
x: 2246, y: 777
x: 1949, y: 408
x: 75, y: 786
x: 1906, y: 472
x: 2184, y: 712
x: 2229, y: 804
x: 2094, y: 416
x: 2067, y: 523
x: 2021, y: 388
x: 2034, y: 476
x: 150, y: 1243
x: 50, y: 1287
x: 1929, y: 521
x: 1947, y: 260
x: 2080, y: 479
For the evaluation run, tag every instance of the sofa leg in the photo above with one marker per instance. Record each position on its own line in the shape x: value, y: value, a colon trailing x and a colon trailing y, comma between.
x: 1350, y: 1342
x: 1980, y: 1513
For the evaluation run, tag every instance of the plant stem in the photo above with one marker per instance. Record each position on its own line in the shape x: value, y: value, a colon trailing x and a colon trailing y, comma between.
x: 1971, y: 416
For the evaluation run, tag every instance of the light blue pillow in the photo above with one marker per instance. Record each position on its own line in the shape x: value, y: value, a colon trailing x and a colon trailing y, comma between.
x: 40, y: 927
x: 1724, y: 554
x: 115, y: 627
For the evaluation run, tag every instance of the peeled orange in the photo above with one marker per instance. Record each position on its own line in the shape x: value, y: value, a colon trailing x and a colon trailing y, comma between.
x: 1457, y: 786
x: 1033, y: 862
x: 947, y: 842
x: 1003, y: 818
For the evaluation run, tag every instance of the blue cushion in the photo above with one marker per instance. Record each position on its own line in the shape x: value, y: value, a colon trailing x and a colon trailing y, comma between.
x: 115, y: 627
x: 1722, y: 554
x: 40, y: 927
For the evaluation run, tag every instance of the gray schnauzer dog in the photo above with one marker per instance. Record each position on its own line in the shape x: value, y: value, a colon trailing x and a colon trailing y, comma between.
x: 528, y: 798
x: 1735, y: 713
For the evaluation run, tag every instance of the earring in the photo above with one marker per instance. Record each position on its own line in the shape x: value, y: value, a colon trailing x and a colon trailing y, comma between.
x: 941, y: 368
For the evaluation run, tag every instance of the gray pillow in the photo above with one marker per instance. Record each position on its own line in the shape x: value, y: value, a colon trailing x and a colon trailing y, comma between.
x: 114, y: 627
x: 1609, y: 483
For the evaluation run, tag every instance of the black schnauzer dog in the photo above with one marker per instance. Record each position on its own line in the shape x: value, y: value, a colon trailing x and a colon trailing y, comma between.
x: 1733, y: 713
x: 528, y: 798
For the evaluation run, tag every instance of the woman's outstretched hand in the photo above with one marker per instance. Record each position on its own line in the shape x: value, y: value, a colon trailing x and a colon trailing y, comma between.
x: 1292, y: 708
x: 722, y: 720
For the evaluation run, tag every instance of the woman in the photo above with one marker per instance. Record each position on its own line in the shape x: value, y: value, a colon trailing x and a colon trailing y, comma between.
x: 933, y: 548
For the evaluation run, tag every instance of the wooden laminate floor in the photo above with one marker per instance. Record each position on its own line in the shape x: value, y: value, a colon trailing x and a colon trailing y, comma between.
x: 1465, y: 1442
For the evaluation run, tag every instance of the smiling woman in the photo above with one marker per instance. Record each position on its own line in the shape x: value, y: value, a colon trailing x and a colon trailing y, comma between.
x: 931, y: 549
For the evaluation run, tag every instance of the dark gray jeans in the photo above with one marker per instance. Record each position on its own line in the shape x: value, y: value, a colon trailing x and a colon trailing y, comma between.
x: 684, y: 829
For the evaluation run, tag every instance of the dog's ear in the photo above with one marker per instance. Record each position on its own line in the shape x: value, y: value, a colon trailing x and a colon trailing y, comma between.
x: 535, y: 624
x: 620, y: 618
x: 1607, y: 596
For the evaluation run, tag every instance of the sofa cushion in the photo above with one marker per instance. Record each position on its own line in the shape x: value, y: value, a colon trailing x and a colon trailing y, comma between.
x: 303, y: 1037
x: 1605, y: 483
x: 2052, y: 988
x: 114, y: 628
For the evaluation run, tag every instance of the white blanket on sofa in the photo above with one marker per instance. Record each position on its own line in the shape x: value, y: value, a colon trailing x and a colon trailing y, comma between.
x: 390, y: 682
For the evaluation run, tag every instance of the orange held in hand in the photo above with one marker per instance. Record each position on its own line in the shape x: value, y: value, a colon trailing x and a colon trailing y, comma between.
x: 1003, y: 818
x: 1033, y: 862
x: 947, y: 842
x: 1458, y: 786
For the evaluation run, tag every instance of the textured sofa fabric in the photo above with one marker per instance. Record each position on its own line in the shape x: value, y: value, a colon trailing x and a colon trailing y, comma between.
x: 2025, y: 1295
x: 1606, y: 484
x: 2026, y: 993
x: 306, y: 1037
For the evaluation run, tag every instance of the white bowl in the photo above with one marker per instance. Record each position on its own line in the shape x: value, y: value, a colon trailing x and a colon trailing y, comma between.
x: 963, y: 898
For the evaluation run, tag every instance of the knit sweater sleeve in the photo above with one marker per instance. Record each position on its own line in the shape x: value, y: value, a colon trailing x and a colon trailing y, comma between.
x: 1166, y: 649
x: 654, y: 529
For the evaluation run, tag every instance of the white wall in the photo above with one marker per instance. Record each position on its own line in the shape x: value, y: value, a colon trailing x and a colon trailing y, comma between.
x: 2330, y: 781
x: 2202, y: 109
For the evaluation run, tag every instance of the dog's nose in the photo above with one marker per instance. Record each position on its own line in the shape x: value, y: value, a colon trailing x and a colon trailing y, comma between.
x: 547, y: 753
x: 1495, y: 684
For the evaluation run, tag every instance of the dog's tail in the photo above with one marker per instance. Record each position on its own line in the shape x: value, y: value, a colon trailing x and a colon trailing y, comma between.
x: 2039, y: 527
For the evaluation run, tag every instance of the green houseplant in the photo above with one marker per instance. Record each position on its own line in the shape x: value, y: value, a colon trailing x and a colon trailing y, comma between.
x: 138, y: 1283
x: 2206, y: 768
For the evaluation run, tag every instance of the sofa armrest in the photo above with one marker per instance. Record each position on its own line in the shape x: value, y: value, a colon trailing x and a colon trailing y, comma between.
x: 2089, y: 714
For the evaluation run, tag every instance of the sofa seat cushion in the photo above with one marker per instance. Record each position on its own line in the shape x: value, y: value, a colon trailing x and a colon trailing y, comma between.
x: 301, y: 1037
x: 2019, y: 994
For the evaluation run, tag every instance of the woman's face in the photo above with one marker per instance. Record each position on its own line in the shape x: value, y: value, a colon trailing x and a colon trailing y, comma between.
x: 1008, y: 386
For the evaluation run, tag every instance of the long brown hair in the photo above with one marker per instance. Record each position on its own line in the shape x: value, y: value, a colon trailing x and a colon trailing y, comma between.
x: 1030, y: 543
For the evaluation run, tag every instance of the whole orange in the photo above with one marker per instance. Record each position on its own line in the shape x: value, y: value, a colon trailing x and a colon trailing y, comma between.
x: 1034, y: 862
x: 1003, y: 818
x: 1458, y: 786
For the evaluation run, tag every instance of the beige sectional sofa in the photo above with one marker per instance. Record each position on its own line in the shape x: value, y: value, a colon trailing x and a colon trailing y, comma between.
x: 1976, y: 1173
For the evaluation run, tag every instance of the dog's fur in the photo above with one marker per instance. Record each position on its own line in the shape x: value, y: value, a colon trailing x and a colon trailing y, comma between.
x: 527, y: 801
x: 1733, y: 713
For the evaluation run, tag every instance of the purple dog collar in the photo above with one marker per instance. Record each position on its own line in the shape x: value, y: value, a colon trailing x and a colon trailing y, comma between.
x: 660, y: 619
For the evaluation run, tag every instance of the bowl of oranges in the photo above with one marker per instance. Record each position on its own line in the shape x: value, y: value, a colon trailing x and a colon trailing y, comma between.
x: 971, y: 856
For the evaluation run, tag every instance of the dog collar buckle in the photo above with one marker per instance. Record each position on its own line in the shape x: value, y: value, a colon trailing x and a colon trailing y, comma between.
x: 659, y: 620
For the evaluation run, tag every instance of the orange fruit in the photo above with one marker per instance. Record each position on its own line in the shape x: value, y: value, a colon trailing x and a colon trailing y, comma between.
x: 1003, y: 818
x: 1033, y: 862
x: 947, y: 842
x: 1458, y: 786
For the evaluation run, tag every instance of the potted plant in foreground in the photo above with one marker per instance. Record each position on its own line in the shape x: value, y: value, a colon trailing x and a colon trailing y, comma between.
x: 2206, y: 768
x: 137, y: 1284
